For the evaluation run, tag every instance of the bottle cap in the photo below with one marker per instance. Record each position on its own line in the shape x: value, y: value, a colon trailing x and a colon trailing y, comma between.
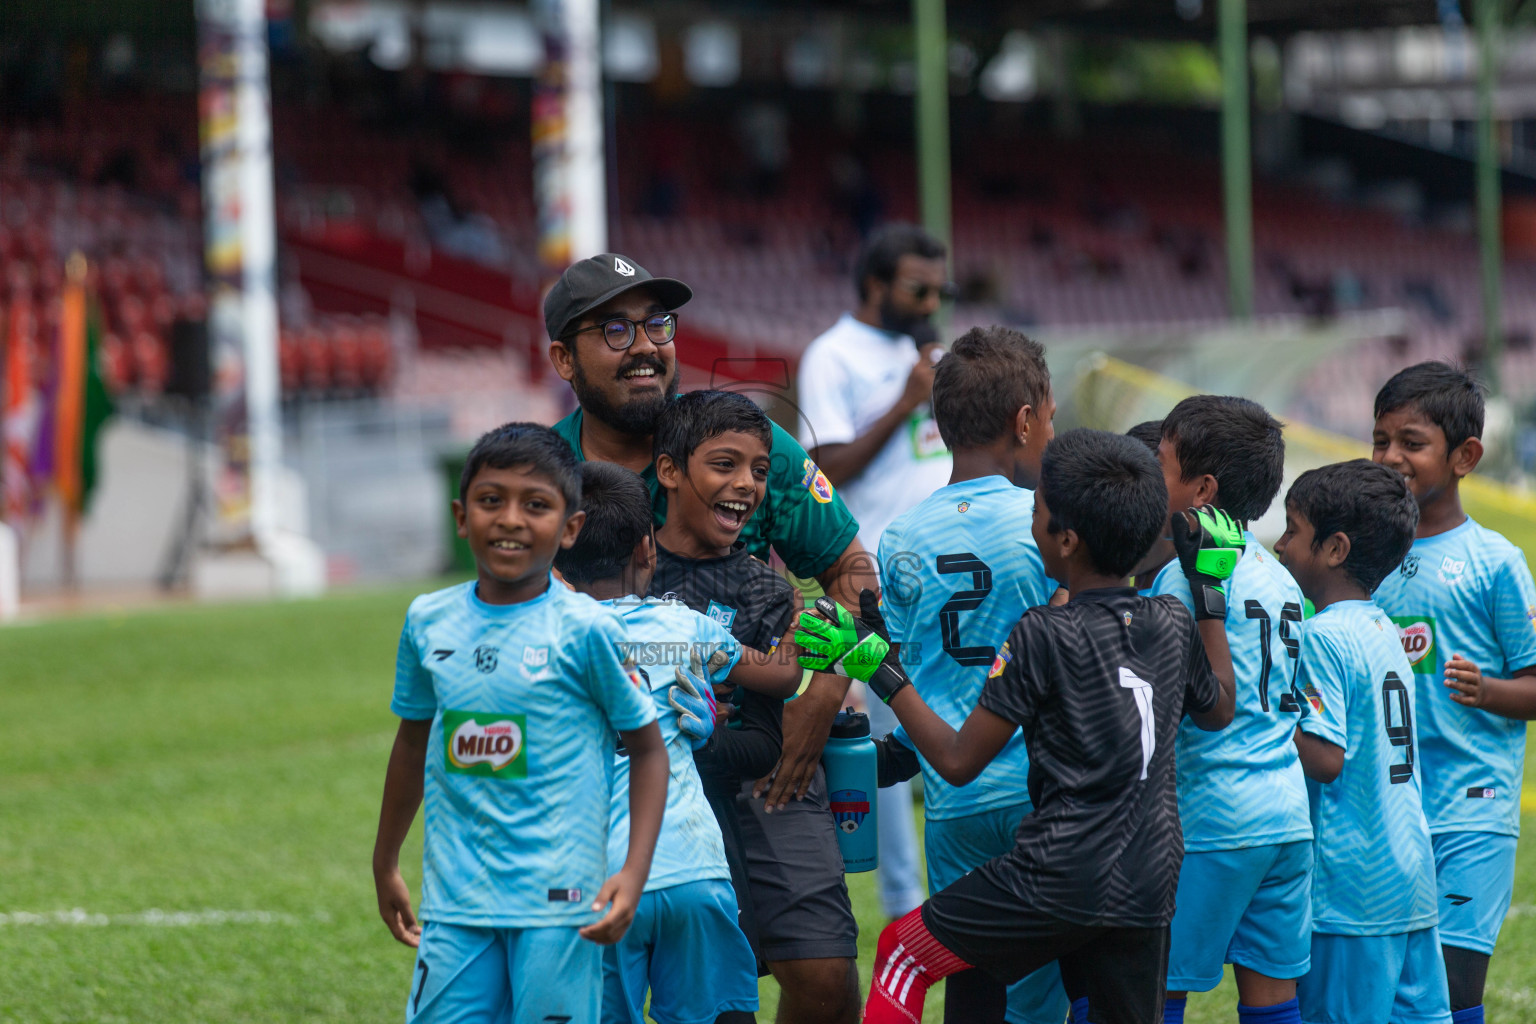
x: 850, y: 725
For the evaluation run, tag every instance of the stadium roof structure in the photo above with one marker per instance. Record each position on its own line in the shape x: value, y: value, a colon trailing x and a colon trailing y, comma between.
x: 1190, y: 18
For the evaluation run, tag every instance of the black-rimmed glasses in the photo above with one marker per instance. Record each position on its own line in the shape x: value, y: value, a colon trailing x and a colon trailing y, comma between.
x: 619, y: 332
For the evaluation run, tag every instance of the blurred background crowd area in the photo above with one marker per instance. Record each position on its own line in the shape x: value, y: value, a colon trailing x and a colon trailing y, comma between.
x: 750, y: 149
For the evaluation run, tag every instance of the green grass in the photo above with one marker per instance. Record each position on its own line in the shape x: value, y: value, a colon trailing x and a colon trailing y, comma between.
x: 230, y: 760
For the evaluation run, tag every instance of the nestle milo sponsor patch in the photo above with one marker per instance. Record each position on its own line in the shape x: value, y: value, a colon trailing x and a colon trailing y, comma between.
x: 488, y: 744
x: 1418, y: 636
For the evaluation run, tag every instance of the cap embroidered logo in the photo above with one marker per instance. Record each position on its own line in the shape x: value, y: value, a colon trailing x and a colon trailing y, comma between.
x: 623, y: 268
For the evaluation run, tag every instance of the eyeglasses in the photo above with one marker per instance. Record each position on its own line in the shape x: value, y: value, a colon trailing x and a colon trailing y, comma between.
x: 948, y: 291
x: 619, y: 333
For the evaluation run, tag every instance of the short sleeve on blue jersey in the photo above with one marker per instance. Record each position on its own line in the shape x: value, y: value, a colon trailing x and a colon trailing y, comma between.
x: 1514, y: 613
x: 1322, y: 676
x: 414, y: 698
x: 611, y: 683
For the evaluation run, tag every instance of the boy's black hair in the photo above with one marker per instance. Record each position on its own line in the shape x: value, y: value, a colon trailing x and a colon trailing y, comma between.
x: 1449, y: 397
x: 1368, y: 503
x: 979, y: 386
x: 1235, y: 441
x: 1149, y: 433
x: 526, y: 444
x: 886, y: 247
x: 618, y: 509
x: 695, y: 417
x: 1109, y: 490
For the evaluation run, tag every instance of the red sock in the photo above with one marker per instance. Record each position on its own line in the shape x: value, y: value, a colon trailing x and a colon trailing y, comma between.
x: 907, y: 960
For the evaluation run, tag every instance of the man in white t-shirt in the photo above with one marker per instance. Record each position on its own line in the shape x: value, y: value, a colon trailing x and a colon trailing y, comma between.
x: 866, y: 421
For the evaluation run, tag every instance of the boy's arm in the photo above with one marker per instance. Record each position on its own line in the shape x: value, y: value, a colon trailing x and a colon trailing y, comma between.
x: 957, y: 756
x: 1512, y: 597
x: 808, y: 718
x: 1322, y: 761
x: 894, y: 761
x: 749, y: 749
x: 403, y: 781
x: 1514, y: 697
x: 860, y: 646
x: 648, y: 771
x: 1213, y: 637
x: 771, y: 673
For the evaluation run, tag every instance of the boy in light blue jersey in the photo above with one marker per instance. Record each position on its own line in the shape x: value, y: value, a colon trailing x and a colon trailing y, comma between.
x: 957, y: 572
x: 512, y: 694
x: 1464, y: 603
x: 1245, y: 886
x: 1375, y: 952
x: 685, y: 947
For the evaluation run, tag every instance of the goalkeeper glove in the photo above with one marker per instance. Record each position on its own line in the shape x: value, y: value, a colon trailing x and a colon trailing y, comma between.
x: 1208, y: 554
x: 856, y: 646
x: 694, y: 701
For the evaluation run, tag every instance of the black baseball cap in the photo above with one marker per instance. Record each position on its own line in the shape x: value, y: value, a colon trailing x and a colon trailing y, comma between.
x: 588, y: 284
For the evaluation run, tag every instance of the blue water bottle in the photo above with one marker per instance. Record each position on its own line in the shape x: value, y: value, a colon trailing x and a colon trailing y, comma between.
x: 852, y: 776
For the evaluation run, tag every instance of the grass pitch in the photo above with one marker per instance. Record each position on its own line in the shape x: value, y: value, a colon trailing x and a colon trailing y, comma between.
x: 187, y: 807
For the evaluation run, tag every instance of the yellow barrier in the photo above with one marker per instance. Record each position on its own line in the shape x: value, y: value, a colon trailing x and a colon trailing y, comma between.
x: 1112, y: 394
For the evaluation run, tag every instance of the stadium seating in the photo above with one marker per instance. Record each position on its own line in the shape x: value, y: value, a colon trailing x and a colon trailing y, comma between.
x: 1047, y: 233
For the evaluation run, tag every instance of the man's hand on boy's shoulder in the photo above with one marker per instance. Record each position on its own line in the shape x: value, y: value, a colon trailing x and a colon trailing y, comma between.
x: 395, y: 906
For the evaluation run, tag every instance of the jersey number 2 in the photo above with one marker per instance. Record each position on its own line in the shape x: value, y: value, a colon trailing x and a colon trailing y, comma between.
x: 1141, y: 690
x: 964, y: 601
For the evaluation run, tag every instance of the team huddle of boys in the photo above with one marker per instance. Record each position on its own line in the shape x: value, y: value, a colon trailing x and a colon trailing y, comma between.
x: 1150, y: 746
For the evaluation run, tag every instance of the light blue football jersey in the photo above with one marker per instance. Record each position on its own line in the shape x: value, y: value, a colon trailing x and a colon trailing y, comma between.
x: 525, y: 701
x: 1466, y: 591
x: 1374, y: 868
x: 689, y: 848
x: 956, y: 573
x: 1243, y: 786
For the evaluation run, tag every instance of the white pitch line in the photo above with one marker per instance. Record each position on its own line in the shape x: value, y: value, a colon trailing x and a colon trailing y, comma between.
x: 152, y: 918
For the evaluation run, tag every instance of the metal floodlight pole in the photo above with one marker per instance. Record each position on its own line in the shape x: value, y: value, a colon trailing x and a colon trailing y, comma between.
x: 1236, y: 156
x: 932, y: 115
x: 1488, y: 191
x: 932, y: 46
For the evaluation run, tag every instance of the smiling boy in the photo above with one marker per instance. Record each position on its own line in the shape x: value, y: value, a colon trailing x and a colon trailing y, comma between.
x: 510, y: 690
x: 712, y: 453
x: 1465, y: 602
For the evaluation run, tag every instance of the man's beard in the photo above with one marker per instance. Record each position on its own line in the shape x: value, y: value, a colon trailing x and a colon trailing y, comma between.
x: 919, y: 328
x: 638, y: 416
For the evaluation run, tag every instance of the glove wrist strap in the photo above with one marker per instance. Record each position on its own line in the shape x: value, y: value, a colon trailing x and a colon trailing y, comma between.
x: 887, y: 680
x: 1209, y: 599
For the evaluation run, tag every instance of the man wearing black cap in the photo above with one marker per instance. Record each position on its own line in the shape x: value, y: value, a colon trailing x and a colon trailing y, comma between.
x: 611, y: 327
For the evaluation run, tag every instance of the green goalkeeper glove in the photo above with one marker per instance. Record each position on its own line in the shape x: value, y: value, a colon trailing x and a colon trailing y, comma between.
x: 856, y: 646
x: 1208, y: 554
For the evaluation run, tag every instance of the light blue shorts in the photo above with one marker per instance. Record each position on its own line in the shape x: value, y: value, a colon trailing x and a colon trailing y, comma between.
x: 467, y: 975
x: 1475, y: 878
x: 955, y: 846
x: 686, y: 948
x: 1375, y: 979
x: 1250, y: 907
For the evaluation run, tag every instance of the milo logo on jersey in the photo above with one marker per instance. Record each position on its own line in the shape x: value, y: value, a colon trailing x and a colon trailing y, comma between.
x: 486, y: 744
x: 1418, y: 635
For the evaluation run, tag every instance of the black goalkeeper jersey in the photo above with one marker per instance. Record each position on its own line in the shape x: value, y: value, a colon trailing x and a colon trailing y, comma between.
x: 1099, y: 686
x: 756, y: 605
